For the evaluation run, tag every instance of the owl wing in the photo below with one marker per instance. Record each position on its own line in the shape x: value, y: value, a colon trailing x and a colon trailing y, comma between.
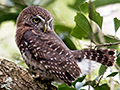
x: 31, y: 41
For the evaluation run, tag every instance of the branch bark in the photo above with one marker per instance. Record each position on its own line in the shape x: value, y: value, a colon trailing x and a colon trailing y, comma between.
x: 14, y: 77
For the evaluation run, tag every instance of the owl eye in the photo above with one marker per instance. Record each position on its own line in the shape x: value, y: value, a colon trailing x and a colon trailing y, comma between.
x: 36, y: 20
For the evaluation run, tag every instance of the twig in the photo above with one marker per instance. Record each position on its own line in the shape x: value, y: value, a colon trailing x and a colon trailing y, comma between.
x: 112, y: 37
x: 99, y: 80
x: 118, y: 55
x: 107, y: 44
x: 91, y: 35
x: 117, y: 67
x: 100, y: 35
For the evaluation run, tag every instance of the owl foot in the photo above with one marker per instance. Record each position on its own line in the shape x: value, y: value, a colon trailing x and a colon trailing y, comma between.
x: 47, y: 82
x: 52, y: 87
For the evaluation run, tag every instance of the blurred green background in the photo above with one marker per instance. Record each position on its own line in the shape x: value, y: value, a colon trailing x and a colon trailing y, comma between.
x: 77, y: 23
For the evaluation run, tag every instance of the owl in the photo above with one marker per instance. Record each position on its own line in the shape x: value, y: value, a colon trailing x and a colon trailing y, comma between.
x: 45, y: 53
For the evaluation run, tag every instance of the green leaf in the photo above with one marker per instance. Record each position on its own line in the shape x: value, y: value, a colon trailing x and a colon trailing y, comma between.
x: 92, y: 83
x: 8, y: 16
x: 19, y: 5
x: 82, y: 27
x: 111, y: 39
x: 45, y: 2
x: 102, y: 70
x: 95, y: 16
x: 108, y: 39
x: 79, y: 80
x: 118, y: 61
x: 99, y: 3
x: 76, y: 4
x: 65, y: 87
x: 62, y: 28
x: 84, y: 8
x: 116, y: 24
x: 103, y: 87
x: 112, y: 74
x: 69, y: 43
x: 64, y: 31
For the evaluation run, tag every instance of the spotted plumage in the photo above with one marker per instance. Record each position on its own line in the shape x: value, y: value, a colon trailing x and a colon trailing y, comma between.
x: 46, y: 54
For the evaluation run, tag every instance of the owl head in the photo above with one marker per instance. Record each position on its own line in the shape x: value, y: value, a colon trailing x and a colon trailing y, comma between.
x: 37, y: 17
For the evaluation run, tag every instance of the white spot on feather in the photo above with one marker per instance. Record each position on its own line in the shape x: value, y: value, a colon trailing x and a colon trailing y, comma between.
x: 61, y: 51
x: 21, y: 45
x: 48, y: 52
x: 46, y: 66
x: 26, y: 43
x: 44, y: 50
x: 38, y: 48
x: 36, y: 54
x: 51, y: 58
x: 31, y: 41
x: 34, y: 45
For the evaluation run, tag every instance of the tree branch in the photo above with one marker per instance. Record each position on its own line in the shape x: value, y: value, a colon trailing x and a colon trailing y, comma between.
x: 99, y: 81
x: 107, y: 44
x: 13, y: 77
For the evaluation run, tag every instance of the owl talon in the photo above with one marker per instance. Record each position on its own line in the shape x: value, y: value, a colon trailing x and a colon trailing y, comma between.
x: 53, y: 87
x: 37, y: 76
x: 49, y: 83
x: 42, y: 79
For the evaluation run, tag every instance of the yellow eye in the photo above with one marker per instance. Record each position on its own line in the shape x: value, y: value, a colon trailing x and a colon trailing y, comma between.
x: 36, y: 20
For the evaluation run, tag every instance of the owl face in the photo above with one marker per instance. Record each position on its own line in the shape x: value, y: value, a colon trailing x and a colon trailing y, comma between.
x: 41, y: 24
x: 36, y: 17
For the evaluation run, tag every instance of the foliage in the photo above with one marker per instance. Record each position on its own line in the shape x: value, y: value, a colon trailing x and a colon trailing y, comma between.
x: 86, y: 17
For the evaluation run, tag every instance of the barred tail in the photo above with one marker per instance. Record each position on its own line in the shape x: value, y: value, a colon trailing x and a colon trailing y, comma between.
x: 103, y: 56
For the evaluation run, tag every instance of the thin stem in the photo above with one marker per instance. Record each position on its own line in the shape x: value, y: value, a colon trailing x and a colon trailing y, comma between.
x: 99, y: 80
x: 91, y: 30
x: 91, y: 37
x: 107, y: 44
x: 117, y: 67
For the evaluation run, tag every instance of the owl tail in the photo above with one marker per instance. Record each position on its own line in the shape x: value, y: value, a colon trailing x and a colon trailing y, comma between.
x: 104, y: 56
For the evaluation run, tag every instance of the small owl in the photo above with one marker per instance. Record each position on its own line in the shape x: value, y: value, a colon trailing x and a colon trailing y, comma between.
x: 45, y: 53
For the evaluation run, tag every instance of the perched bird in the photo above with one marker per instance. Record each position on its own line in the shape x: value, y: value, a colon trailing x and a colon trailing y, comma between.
x: 45, y: 53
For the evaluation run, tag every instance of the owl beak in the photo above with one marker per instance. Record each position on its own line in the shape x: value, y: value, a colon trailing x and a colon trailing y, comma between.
x: 45, y: 28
